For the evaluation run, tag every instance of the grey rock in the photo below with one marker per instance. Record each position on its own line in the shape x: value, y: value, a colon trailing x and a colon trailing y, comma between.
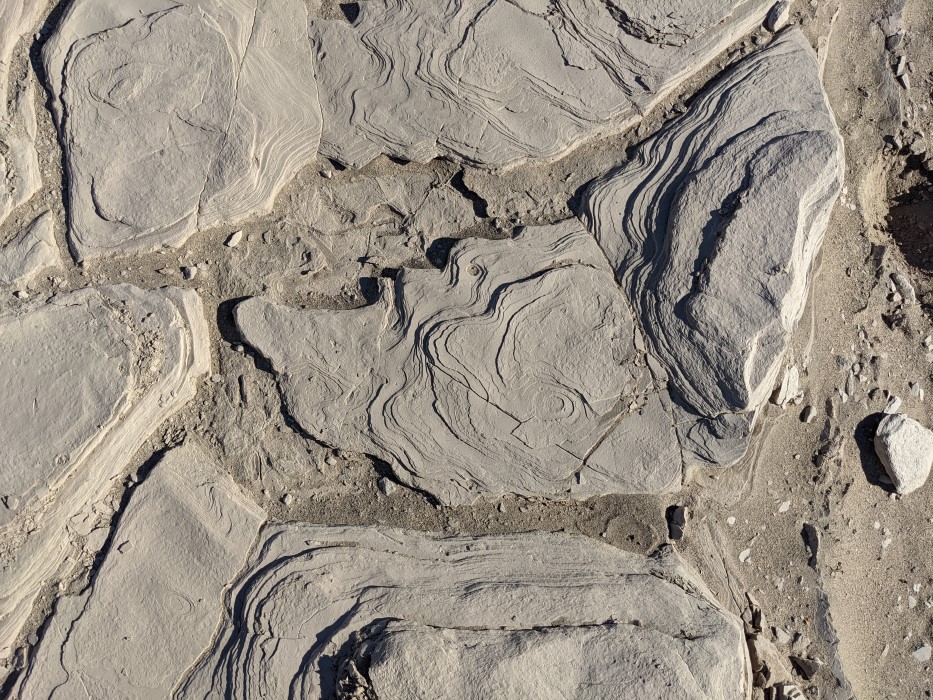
x: 30, y: 252
x: 905, y: 448
x: 777, y: 16
x: 426, y: 616
x: 90, y: 375
x: 512, y: 371
x: 176, y: 117
x: 150, y: 610
x: 755, y: 165
x: 923, y: 653
x: 458, y: 79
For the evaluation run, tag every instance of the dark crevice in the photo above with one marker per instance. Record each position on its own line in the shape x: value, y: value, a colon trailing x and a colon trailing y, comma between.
x: 350, y: 10
x: 480, y: 206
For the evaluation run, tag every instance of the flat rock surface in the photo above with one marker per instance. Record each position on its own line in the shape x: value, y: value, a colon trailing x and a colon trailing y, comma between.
x: 496, y: 82
x: 32, y: 251
x: 90, y: 376
x: 178, y: 117
x: 153, y: 604
x: 318, y: 608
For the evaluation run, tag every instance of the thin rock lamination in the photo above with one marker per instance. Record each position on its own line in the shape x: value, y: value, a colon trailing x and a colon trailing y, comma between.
x: 497, y: 82
x: 177, y: 117
x: 566, y: 362
x: 378, y: 613
x: 153, y: 604
x: 89, y: 376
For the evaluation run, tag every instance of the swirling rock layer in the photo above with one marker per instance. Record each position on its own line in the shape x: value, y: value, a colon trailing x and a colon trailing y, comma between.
x: 381, y: 613
x: 496, y: 82
x: 153, y: 604
x: 89, y: 377
x: 177, y: 117
x: 714, y: 226
x: 514, y: 370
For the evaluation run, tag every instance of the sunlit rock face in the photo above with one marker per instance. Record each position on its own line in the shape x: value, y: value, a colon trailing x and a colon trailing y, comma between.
x: 577, y: 362
x: 357, y: 613
x: 498, y: 82
x: 177, y: 117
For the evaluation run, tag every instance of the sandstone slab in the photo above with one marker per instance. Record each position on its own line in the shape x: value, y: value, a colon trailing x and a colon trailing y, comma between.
x: 374, y: 612
x: 176, y: 117
x: 90, y: 375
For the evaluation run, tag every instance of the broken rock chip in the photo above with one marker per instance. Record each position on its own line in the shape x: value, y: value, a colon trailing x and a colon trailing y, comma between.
x: 515, y: 370
x: 376, y: 612
x: 496, y: 82
x: 178, y: 116
x: 30, y: 252
x: 154, y: 603
x: 714, y: 226
x: 89, y: 376
x: 905, y: 448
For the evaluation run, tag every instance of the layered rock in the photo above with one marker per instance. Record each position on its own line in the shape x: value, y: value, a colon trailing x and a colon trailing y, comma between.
x: 90, y: 375
x: 19, y: 161
x: 524, y: 368
x: 30, y: 252
x: 373, y: 612
x: 517, y: 369
x: 176, y: 117
x: 496, y: 82
x: 154, y: 603
x: 714, y: 226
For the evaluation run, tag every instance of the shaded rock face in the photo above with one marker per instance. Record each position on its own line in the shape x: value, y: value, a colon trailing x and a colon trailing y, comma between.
x: 714, y: 226
x: 89, y: 376
x: 153, y: 604
x: 514, y: 371
x: 178, y: 117
x: 496, y: 82
x: 373, y: 612
x: 524, y: 368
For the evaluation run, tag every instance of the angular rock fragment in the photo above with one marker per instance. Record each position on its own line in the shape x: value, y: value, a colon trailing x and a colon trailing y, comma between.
x: 516, y: 370
x: 177, y: 117
x: 154, y: 603
x: 714, y: 226
x: 905, y: 448
x: 522, y: 369
x: 496, y: 82
x: 367, y: 612
x: 89, y: 376
x: 29, y: 253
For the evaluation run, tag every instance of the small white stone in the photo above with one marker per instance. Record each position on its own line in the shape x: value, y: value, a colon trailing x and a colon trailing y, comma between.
x: 784, y: 507
x: 386, y: 486
x: 288, y: 499
x: 745, y: 555
x: 923, y: 653
x: 777, y: 16
x: 730, y: 521
x: 905, y: 448
x: 234, y: 239
x: 894, y: 403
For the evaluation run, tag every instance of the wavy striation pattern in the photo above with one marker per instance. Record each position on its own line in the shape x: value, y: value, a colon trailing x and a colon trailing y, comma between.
x: 713, y: 228
x: 514, y: 370
x: 153, y: 604
x: 90, y: 376
x: 498, y: 82
x: 377, y: 613
x: 177, y: 117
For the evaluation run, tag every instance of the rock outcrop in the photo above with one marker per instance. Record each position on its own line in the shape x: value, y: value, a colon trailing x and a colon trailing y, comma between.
x: 372, y: 612
x: 30, y: 252
x: 153, y: 604
x: 497, y: 82
x: 176, y: 117
x: 524, y: 368
x: 714, y: 226
x: 89, y: 376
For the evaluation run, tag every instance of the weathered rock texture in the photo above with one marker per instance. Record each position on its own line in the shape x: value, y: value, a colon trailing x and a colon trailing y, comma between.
x: 153, y: 604
x: 89, y: 376
x: 19, y: 161
x: 905, y: 448
x: 369, y: 612
x: 29, y: 253
x: 496, y: 82
x: 177, y: 117
x: 714, y: 226
x: 522, y: 367
x: 516, y: 370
